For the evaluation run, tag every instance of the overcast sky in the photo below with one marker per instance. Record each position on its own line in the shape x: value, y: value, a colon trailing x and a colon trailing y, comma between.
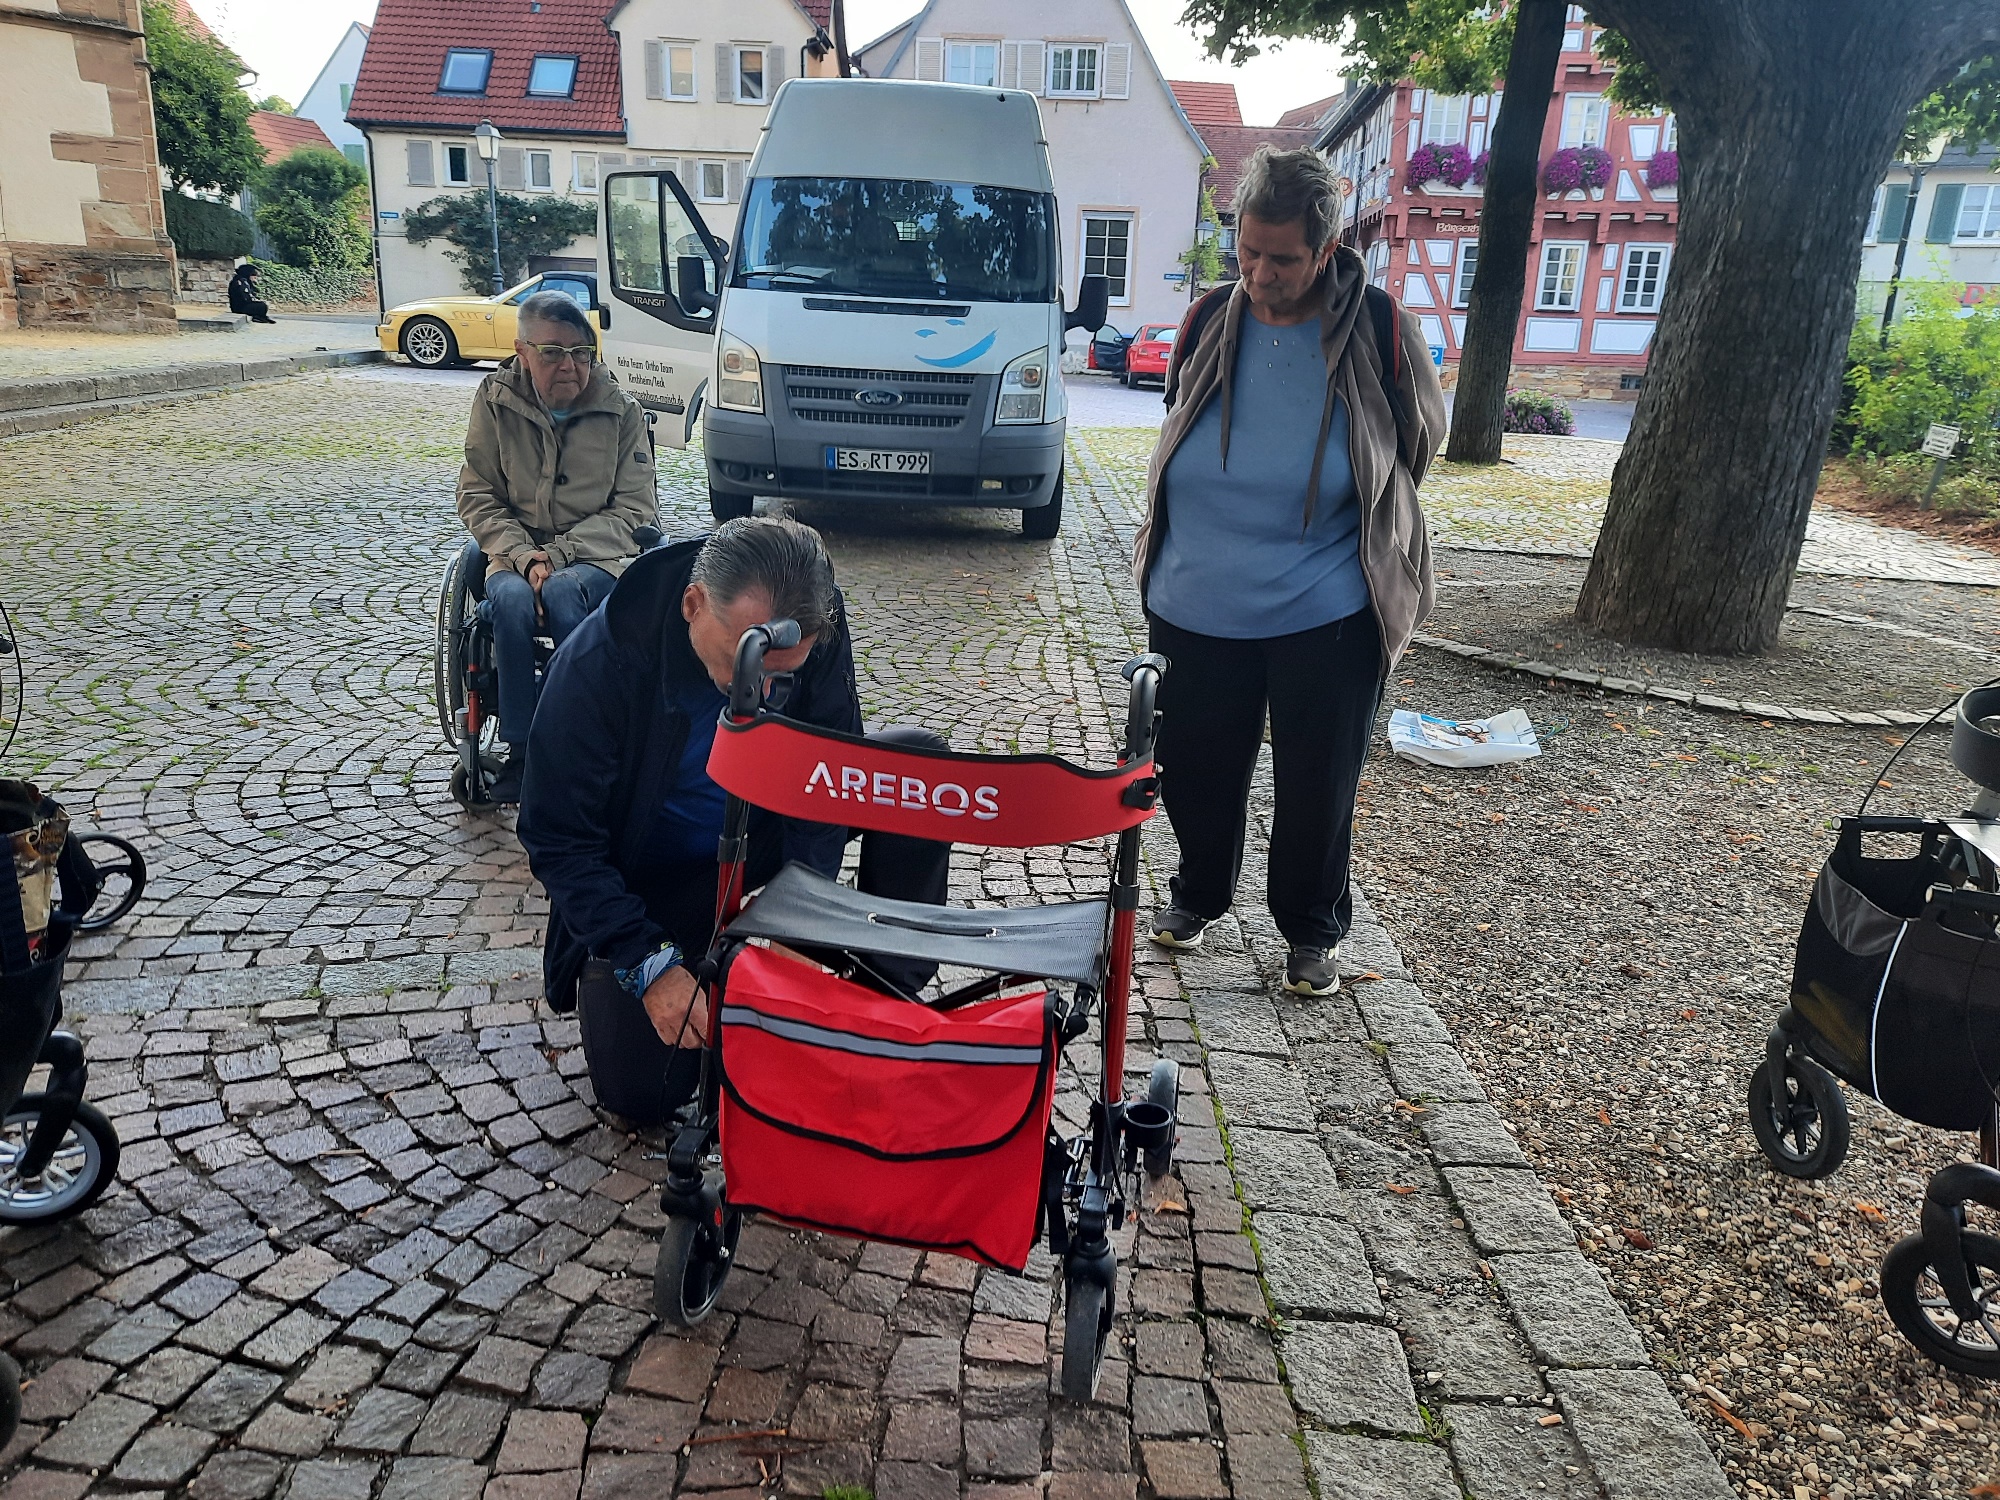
x: 286, y: 42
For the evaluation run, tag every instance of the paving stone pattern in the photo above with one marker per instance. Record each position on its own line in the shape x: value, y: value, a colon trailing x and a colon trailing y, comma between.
x: 373, y: 1242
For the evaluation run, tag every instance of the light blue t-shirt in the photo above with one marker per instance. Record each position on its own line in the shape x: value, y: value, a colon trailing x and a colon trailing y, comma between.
x: 1238, y: 560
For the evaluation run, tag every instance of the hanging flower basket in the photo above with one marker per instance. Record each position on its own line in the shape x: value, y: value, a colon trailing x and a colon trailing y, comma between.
x: 1664, y: 170
x: 1479, y: 163
x: 1577, y: 167
x: 1425, y: 166
x: 1454, y: 165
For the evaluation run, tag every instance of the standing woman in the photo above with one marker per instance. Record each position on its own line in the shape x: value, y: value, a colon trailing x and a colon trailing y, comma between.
x: 1284, y: 562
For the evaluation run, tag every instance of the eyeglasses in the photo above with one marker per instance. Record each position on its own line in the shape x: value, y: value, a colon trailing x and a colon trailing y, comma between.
x: 583, y: 354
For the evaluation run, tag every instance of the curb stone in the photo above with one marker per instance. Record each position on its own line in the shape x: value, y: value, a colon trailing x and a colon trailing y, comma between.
x: 44, y: 402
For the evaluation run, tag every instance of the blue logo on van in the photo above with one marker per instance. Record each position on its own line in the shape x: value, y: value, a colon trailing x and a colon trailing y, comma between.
x: 963, y: 357
x: 878, y: 396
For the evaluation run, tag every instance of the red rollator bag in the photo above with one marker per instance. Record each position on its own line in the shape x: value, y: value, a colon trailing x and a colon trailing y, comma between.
x: 846, y: 1110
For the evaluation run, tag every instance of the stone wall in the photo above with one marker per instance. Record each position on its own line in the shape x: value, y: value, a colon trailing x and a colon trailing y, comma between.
x: 1573, y: 382
x: 59, y: 286
x: 205, y: 281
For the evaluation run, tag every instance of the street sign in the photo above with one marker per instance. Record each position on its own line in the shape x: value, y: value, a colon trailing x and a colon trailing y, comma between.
x: 1176, y: 277
x: 388, y: 214
x: 1437, y: 355
x: 1941, y: 441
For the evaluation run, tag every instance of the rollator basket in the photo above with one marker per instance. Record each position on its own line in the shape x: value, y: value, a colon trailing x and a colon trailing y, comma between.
x: 847, y: 1110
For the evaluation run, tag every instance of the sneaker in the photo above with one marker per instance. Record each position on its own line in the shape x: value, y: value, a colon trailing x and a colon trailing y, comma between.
x: 1176, y: 928
x: 506, y: 785
x: 1313, y: 971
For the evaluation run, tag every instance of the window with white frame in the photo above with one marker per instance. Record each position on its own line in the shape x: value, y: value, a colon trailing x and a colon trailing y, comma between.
x: 1585, y: 119
x: 1107, y: 252
x: 749, y: 75
x: 1561, y: 277
x: 457, y: 166
x: 541, y: 171
x: 712, y: 181
x: 976, y: 63
x: 1444, y: 119
x: 1644, y: 280
x: 583, y: 171
x: 1979, y: 216
x: 1670, y: 134
x: 1378, y: 263
x: 1073, y: 70
x: 677, y: 71
x: 1468, y: 263
x: 1645, y: 141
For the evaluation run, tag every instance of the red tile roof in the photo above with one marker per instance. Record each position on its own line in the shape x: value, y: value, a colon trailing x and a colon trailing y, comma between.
x: 1232, y: 145
x: 405, y: 60
x: 281, y: 135
x: 819, y: 12
x: 191, y: 23
x: 1308, y: 115
x: 1208, y: 103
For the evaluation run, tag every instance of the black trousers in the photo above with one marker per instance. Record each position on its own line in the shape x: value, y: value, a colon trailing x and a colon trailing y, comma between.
x: 638, y: 1075
x: 1321, y: 689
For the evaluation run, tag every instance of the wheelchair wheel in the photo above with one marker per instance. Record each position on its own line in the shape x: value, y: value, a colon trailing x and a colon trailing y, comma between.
x: 695, y: 1257
x: 447, y: 670
x: 76, y: 1176
x: 1917, y: 1305
x: 121, y: 876
x: 10, y: 1399
x: 1088, y: 1309
x: 1164, y: 1089
x: 1801, y: 1123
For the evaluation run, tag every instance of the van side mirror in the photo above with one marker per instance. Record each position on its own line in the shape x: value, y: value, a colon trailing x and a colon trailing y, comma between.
x: 1093, y: 305
x: 691, y: 283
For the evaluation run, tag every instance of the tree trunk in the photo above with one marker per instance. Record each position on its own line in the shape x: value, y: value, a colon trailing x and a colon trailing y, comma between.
x: 1506, y: 223
x: 1789, y: 112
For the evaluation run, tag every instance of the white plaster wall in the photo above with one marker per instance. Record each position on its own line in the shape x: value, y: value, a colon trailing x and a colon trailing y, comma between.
x: 41, y: 198
x: 321, y: 103
x: 1925, y: 261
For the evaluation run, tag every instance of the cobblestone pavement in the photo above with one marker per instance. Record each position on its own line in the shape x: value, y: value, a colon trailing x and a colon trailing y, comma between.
x: 371, y: 1240
x: 30, y: 352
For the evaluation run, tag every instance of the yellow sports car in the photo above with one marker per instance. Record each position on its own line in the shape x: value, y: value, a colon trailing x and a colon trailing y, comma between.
x: 440, y: 332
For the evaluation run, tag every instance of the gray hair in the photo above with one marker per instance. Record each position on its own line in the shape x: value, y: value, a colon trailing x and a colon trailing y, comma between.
x: 783, y: 557
x: 557, y: 309
x: 1292, y: 187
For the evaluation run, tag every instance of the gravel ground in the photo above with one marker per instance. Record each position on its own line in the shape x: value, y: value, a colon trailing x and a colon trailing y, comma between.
x: 1608, y: 930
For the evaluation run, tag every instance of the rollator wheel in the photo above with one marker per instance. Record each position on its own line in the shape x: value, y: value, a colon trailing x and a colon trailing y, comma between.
x: 462, y: 793
x: 695, y: 1257
x: 121, y: 875
x: 1918, y: 1307
x: 1163, y: 1089
x: 1088, y: 1309
x: 1802, y: 1126
x: 76, y: 1176
x: 10, y: 1399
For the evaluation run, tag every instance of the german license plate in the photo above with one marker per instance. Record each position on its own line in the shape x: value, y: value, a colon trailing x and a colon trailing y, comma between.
x: 877, y: 461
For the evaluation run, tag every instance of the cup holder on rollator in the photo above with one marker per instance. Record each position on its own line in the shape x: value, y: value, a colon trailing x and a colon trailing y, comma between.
x: 1149, y: 1126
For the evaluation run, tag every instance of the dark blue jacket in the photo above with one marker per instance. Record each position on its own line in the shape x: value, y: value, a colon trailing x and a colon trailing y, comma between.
x: 605, y: 744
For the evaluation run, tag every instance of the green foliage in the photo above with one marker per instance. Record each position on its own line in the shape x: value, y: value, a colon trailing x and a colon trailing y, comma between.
x: 202, y: 230
x: 314, y: 207
x: 1942, y: 365
x: 202, y: 118
x: 846, y: 1492
x: 275, y: 105
x: 1537, y: 412
x: 322, y: 177
x: 318, y: 286
x: 1203, y: 258
x: 1454, y: 46
x: 528, y: 227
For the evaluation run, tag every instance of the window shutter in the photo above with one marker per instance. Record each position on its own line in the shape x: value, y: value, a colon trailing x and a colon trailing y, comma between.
x: 656, y: 72
x: 930, y: 59
x: 420, y: 164
x: 1010, y: 65
x: 1034, y: 67
x: 735, y: 172
x: 1895, y: 203
x: 513, y: 172
x: 774, y: 69
x: 1116, y: 80
x: 725, y: 73
x: 1944, y: 213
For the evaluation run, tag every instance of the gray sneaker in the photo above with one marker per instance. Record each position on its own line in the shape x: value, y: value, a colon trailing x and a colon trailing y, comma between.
x: 1313, y: 971
x: 1175, y: 928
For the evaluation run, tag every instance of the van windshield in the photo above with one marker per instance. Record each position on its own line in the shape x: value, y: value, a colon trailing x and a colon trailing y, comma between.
x: 949, y: 241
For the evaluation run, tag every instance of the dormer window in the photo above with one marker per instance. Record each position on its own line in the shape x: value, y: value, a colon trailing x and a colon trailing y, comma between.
x: 552, y: 77
x: 465, y: 71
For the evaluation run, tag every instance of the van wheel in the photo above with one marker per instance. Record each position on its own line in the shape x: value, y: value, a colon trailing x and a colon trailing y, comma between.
x: 1043, y: 522
x: 728, y: 507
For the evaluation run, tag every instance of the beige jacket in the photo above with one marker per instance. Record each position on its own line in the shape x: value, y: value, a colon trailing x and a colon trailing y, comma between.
x: 1395, y: 545
x: 576, y: 494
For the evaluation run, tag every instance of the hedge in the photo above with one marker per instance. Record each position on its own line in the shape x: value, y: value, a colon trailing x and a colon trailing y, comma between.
x: 316, y: 286
x: 202, y: 230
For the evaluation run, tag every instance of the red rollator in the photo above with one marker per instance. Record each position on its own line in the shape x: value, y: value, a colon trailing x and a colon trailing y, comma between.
x: 832, y: 1100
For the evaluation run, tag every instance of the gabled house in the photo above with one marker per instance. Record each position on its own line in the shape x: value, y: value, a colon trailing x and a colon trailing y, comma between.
x: 1218, y: 118
x: 698, y: 80
x: 1127, y: 161
x: 1954, y: 234
x: 325, y: 103
x: 546, y: 75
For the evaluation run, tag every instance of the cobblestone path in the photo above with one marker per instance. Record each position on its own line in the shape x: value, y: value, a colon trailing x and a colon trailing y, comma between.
x: 372, y: 1242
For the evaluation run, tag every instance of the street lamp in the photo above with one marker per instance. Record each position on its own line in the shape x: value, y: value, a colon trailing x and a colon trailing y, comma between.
x: 1919, y: 158
x: 487, y: 139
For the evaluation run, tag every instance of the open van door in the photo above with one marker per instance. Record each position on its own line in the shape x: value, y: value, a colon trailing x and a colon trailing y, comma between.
x: 660, y: 274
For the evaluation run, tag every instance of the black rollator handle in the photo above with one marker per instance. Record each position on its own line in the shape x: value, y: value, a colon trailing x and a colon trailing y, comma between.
x: 1141, y: 719
x: 746, y: 685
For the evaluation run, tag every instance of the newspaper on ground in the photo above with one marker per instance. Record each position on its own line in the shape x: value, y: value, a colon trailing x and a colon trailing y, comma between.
x: 1463, y: 742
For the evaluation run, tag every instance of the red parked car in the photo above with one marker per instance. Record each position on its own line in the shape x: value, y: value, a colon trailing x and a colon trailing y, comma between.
x: 1146, y: 359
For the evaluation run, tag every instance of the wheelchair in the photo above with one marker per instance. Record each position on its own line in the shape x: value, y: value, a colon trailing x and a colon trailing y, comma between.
x: 831, y: 1100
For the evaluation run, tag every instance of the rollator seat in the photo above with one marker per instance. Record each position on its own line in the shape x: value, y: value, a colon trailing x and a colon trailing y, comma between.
x: 802, y: 907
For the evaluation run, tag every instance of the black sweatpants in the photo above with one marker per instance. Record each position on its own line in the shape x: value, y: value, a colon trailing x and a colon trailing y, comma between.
x: 635, y: 1073
x: 1321, y: 689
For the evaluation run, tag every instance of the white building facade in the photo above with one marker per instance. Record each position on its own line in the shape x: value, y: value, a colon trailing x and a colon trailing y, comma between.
x: 325, y: 103
x: 1127, y: 163
x: 1954, y: 234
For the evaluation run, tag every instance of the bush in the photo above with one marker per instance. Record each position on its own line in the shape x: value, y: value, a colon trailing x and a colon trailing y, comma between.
x: 314, y: 209
x: 316, y: 286
x: 528, y: 227
x: 202, y: 230
x: 1537, y: 411
x: 1942, y: 365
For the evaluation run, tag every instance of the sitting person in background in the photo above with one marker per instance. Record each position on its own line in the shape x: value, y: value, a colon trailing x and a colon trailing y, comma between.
x: 558, y: 476
x: 243, y: 295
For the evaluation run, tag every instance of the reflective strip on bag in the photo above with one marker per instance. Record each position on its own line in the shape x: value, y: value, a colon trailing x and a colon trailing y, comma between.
x: 986, y: 1054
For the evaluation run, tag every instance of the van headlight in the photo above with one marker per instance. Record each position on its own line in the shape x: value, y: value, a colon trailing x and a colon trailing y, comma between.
x: 1024, y: 388
x: 739, y: 375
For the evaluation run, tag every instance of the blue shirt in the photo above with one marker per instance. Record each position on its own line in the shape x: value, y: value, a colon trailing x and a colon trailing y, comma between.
x: 689, y: 823
x: 1238, y: 560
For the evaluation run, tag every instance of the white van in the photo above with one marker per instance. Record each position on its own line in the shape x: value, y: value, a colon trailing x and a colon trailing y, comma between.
x: 890, y: 318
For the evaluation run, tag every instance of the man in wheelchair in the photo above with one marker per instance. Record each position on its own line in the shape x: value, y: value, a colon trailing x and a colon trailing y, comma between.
x: 621, y: 820
x: 558, y: 474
